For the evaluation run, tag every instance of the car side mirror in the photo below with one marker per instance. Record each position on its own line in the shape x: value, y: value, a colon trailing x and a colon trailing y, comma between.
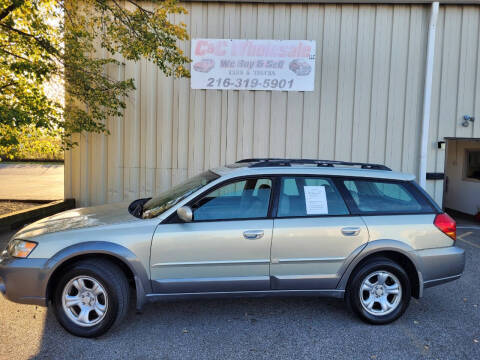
x: 185, y: 213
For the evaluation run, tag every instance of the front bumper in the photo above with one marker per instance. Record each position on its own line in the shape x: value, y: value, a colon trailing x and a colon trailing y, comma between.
x: 23, y: 280
x: 440, y: 265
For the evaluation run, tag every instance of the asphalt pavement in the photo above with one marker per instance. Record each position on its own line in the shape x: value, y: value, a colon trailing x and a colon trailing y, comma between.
x: 31, y: 181
x: 444, y: 324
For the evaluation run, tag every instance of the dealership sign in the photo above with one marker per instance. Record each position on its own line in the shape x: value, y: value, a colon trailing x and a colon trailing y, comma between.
x: 284, y: 65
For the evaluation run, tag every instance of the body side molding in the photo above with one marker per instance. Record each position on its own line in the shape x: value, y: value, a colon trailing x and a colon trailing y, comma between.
x: 335, y: 293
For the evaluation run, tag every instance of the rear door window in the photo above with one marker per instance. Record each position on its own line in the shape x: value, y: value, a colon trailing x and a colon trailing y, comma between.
x: 309, y: 196
x: 379, y: 196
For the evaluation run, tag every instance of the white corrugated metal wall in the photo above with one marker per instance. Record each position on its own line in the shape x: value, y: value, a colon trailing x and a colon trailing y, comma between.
x: 366, y: 106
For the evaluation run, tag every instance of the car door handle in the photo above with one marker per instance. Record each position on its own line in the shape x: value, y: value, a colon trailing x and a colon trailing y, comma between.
x: 351, y: 231
x: 253, y: 234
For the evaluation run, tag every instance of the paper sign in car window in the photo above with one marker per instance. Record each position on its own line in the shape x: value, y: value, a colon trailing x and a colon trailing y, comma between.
x: 315, y: 200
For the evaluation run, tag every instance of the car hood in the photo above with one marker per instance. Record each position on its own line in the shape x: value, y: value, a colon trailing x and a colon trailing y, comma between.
x: 77, y: 219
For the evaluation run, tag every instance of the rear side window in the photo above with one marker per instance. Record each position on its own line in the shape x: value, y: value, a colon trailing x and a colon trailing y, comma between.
x: 372, y: 196
x: 309, y: 196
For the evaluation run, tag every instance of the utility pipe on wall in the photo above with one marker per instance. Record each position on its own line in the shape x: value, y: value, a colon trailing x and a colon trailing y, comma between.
x: 427, y: 94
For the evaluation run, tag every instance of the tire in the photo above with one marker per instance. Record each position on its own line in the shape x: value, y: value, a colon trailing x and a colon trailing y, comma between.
x: 91, y: 297
x: 379, y: 304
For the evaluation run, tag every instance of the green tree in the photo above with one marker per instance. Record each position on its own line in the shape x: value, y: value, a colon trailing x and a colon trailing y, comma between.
x: 59, y: 40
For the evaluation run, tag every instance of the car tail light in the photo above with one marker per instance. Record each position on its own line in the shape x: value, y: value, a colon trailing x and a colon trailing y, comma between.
x: 446, y: 225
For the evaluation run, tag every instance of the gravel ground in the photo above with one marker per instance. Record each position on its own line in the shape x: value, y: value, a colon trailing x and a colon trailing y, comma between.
x: 444, y: 324
x: 11, y: 206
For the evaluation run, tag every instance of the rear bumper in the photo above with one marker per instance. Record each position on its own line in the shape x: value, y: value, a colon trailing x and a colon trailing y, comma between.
x: 440, y: 265
x: 22, y: 280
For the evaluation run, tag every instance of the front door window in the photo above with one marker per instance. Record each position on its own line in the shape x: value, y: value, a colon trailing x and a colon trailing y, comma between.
x: 245, y: 199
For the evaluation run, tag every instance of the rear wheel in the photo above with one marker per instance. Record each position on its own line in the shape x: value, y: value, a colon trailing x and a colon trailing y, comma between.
x: 379, y: 291
x: 91, y: 297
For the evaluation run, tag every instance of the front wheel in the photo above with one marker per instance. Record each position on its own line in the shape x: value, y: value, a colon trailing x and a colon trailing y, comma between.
x: 379, y: 292
x: 91, y: 297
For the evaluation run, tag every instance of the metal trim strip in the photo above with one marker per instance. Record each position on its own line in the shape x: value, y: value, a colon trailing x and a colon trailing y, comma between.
x: 213, y: 262
x: 303, y: 260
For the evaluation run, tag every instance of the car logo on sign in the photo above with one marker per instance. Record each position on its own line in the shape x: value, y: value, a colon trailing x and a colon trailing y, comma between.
x: 204, y: 65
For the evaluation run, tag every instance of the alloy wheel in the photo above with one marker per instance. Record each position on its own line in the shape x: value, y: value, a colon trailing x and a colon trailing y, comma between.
x: 380, y: 293
x: 85, y: 301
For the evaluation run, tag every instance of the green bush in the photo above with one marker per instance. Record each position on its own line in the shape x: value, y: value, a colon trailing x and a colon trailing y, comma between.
x: 30, y: 143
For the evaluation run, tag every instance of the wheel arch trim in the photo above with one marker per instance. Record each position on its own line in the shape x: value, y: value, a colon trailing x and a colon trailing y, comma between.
x: 378, y: 247
x: 121, y: 253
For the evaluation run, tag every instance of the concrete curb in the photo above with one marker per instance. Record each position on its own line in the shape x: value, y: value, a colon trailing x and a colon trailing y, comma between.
x: 17, y: 219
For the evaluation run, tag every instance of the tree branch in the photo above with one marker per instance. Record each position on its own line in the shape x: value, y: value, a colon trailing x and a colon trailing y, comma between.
x: 7, y: 85
x: 44, y: 44
x: 15, y: 55
x: 140, y: 7
x: 5, y: 12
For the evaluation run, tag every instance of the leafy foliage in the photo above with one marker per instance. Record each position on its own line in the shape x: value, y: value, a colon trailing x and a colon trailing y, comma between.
x: 30, y: 143
x: 41, y: 40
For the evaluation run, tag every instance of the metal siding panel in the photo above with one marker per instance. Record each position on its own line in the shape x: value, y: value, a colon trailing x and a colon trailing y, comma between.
x: 85, y: 188
x: 68, y: 175
x: 183, y: 90
x: 232, y: 31
x: 293, y: 140
x: 198, y: 29
x: 363, y: 83
x: 328, y: 91
x: 132, y: 131
x: 164, y: 132
x: 76, y: 168
x: 148, y: 129
x: 346, y: 82
x: 115, y: 144
x: 96, y: 161
x: 369, y: 85
x: 213, y: 97
x: 468, y: 61
x: 476, y: 124
x: 397, y: 87
x: 246, y: 101
x: 144, y: 101
x: 278, y: 112
x: 450, y: 66
x: 311, y: 100
x: 262, y: 98
x: 380, y: 83
x: 415, y: 75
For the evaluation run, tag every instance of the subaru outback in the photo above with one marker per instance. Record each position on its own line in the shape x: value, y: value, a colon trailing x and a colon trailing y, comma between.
x: 259, y: 227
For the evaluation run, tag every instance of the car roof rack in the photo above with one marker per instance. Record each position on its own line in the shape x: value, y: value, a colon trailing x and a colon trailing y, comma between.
x: 270, y: 162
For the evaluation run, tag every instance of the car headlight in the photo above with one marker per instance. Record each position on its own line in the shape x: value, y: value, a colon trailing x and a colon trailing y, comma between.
x: 21, y: 248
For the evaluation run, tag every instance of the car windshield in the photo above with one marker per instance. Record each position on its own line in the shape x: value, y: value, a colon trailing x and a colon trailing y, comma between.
x: 160, y: 203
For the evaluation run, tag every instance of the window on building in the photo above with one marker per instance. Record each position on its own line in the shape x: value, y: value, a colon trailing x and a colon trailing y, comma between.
x: 472, y: 164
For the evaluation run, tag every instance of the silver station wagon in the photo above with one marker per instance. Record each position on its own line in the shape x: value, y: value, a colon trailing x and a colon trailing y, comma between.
x: 259, y: 227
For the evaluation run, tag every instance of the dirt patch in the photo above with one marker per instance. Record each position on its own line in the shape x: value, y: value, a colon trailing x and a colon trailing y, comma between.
x: 7, y: 207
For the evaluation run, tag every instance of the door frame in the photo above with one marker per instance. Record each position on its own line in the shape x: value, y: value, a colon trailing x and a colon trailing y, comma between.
x: 448, y: 140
